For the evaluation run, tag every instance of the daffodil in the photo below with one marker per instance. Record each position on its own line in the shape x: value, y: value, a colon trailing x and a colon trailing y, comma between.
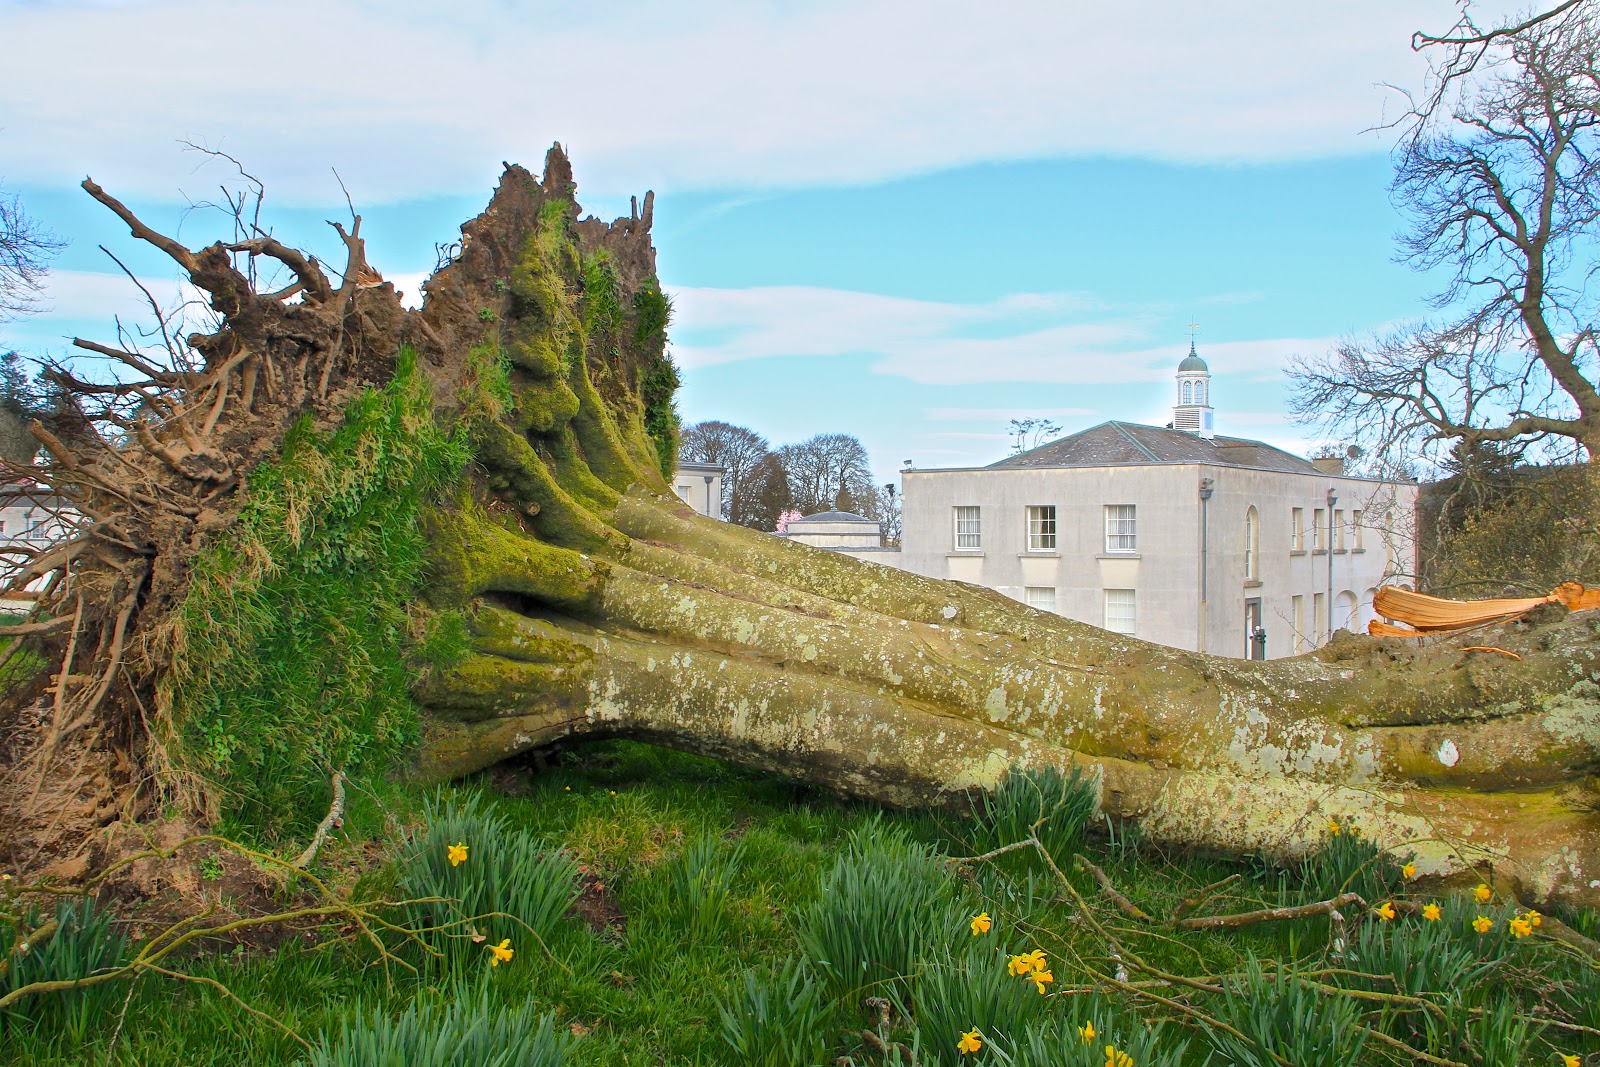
x: 1534, y: 918
x: 1333, y: 828
x: 1019, y: 965
x: 1482, y: 893
x: 1117, y: 1059
x: 1520, y: 927
x: 501, y: 953
x: 981, y: 923
x: 1430, y: 912
x: 1041, y: 979
x: 1385, y: 911
x: 1483, y: 924
x: 1036, y: 961
x: 970, y: 1042
x: 456, y: 853
x: 1086, y: 1031
x: 1569, y: 1060
x: 1409, y: 871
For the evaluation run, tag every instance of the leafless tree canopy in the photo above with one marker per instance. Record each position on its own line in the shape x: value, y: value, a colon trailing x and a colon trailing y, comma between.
x: 1498, y: 172
x: 740, y: 451
x: 25, y: 248
x: 821, y: 465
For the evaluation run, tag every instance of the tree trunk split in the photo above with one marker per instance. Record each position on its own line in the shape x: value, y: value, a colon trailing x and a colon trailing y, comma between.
x: 598, y: 606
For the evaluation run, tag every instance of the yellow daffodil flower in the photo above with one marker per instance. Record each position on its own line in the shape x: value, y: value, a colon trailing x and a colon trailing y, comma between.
x: 1409, y: 871
x: 970, y: 1042
x: 1430, y: 912
x: 1019, y: 965
x: 456, y: 853
x: 1483, y: 924
x: 1087, y: 1031
x: 1333, y: 828
x: 981, y: 923
x: 1385, y: 911
x: 1036, y: 961
x: 501, y: 953
x: 1041, y: 979
x: 1117, y: 1059
x: 1355, y: 831
x: 1520, y: 927
x: 1482, y: 893
x: 1534, y: 918
x: 1569, y: 1060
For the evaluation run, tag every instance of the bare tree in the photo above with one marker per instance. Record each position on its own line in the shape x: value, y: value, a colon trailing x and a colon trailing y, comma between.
x: 1498, y: 170
x: 25, y: 247
x: 1030, y: 433
x: 820, y: 466
x: 740, y: 451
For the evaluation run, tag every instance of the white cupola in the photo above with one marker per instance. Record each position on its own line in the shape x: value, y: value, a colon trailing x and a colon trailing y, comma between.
x: 1192, y: 413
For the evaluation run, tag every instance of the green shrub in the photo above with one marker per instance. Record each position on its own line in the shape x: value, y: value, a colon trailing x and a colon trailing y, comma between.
x: 1282, y: 1016
x: 290, y: 650
x: 776, y: 1023
x: 85, y: 943
x: 880, y: 908
x: 1059, y: 805
x: 1417, y: 956
x: 506, y: 888
x: 468, y: 1031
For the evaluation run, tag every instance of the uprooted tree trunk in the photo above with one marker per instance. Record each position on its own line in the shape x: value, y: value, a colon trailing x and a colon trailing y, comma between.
x: 599, y: 606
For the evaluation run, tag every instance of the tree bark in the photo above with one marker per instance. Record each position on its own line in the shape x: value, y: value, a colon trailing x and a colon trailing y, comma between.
x: 599, y: 606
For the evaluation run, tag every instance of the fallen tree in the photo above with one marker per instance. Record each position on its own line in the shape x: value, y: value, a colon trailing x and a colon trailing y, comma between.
x: 593, y: 604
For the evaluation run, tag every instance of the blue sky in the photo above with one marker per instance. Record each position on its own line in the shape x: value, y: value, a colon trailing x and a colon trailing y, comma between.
x: 907, y: 221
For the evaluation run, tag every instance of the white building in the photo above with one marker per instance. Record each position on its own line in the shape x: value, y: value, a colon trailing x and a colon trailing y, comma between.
x: 700, y: 486
x: 31, y: 518
x: 1173, y: 535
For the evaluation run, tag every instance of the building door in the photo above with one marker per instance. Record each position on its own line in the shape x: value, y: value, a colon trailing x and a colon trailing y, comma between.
x: 1255, y: 636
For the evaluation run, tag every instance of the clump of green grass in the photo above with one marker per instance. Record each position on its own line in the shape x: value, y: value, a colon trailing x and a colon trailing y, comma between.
x: 776, y: 1022
x: 1347, y: 861
x: 293, y: 650
x: 1039, y: 801
x: 465, y: 1029
x: 481, y: 885
x: 85, y: 943
x: 1279, y: 1015
x: 885, y: 903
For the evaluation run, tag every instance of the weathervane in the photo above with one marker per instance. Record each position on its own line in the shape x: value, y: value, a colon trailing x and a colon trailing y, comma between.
x: 1193, y: 326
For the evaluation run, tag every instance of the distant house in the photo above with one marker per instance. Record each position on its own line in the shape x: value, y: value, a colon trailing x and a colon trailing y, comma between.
x: 31, y: 518
x: 842, y: 531
x: 1174, y: 535
x: 700, y: 486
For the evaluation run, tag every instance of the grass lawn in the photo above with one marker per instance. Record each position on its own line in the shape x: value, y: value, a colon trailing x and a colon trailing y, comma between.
x: 703, y: 886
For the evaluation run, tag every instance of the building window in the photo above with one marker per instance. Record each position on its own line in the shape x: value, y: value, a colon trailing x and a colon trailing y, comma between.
x: 1121, y: 615
x: 1355, y: 525
x: 1297, y: 611
x: 1121, y: 534
x: 1318, y: 531
x: 1297, y: 536
x: 1042, y: 597
x: 1199, y: 392
x: 1338, y: 528
x: 1252, y: 544
x: 969, y: 528
x: 1188, y: 392
x: 1319, y: 615
x: 1042, y: 528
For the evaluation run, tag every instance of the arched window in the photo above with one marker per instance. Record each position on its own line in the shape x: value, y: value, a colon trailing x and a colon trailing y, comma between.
x: 1252, y: 545
x: 1188, y: 392
x: 1199, y: 392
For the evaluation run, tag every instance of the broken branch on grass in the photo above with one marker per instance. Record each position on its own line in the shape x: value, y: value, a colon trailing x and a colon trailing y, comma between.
x: 329, y: 821
x: 1124, y: 905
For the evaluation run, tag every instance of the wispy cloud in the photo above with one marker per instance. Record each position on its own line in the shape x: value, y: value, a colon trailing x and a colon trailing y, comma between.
x: 937, y: 343
x: 991, y: 414
x: 410, y: 98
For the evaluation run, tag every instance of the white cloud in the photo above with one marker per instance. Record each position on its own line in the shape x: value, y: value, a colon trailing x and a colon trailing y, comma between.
x: 408, y: 98
x: 936, y: 343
